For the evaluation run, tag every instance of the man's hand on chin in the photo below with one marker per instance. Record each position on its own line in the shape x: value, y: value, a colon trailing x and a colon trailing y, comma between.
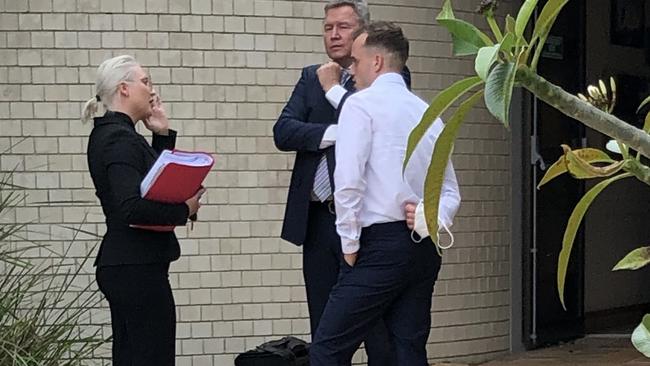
x: 350, y: 259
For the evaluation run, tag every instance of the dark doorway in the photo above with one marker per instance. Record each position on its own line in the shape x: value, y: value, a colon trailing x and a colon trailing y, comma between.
x: 545, y: 321
x: 616, y: 222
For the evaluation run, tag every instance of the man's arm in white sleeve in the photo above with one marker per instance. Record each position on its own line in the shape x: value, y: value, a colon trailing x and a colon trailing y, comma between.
x: 352, y: 152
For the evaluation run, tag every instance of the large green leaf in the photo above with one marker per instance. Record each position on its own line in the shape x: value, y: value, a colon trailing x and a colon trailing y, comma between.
x: 498, y: 90
x: 572, y: 228
x: 543, y: 26
x: 523, y: 17
x: 439, y: 104
x: 441, y: 153
x: 508, y: 43
x: 581, y: 169
x: 641, y: 336
x: 466, y: 38
x: 546, y: 19
x: 510, y: 24
x: 447, y: 12
x: 559, y: 167
x: 634, y: 260
x: 486, y: 57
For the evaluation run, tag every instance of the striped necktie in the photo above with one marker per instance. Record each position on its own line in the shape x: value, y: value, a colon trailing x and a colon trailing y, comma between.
x: 322, y: 188
x: 345, y: 76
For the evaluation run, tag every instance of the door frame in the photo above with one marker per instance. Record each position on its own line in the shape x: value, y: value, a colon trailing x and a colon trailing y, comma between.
x: 520, y: 224
x: 521, y: 217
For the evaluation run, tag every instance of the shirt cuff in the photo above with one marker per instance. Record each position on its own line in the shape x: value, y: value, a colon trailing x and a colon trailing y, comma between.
x: 335, y: 94
x: 349, y: 246
x: 329, y: 137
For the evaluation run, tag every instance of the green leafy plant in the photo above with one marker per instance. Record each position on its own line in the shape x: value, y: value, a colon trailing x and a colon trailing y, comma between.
x: 507, y: 59
x: 41, y: 307
x: 587, y: 164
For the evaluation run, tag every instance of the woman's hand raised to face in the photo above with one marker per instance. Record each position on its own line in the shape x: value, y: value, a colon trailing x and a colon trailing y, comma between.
x: 157, y: 122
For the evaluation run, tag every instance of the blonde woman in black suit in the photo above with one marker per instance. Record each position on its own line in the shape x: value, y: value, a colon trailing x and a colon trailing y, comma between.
x: 132, y: 263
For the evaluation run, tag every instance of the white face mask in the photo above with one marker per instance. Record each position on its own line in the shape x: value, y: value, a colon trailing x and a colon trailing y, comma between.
x: 421, y: 229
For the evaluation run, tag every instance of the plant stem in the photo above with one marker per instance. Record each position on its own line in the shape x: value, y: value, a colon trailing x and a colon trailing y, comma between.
x: 538, y: 51
x: 584, y: 112
x: 623, y: 149
x: 640, y: 171
x: 494, y: 26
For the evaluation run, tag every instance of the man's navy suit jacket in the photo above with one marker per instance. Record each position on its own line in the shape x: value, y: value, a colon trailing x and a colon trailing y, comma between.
x: 300, y: 128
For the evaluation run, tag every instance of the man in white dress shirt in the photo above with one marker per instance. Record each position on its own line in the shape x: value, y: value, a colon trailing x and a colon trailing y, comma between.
x: 387, y: 275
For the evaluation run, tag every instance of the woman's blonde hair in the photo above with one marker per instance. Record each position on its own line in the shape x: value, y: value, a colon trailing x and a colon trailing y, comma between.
x: 109, y: 76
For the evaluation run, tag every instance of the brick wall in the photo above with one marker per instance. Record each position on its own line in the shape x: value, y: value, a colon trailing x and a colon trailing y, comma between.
x: 224, y: 69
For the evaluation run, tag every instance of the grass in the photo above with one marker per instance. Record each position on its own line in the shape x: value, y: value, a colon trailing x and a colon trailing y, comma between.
x: 42, y: 306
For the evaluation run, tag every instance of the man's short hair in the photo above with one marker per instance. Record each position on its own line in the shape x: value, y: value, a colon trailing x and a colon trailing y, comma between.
x: 389, y: 37
x: 360, y: 8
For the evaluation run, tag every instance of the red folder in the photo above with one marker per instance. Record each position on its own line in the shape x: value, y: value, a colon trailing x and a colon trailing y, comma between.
x: 175, y: 176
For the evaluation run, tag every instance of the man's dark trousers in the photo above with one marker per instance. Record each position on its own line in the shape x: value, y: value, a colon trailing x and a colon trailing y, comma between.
x: 393, y: 280
x: 322, y: 258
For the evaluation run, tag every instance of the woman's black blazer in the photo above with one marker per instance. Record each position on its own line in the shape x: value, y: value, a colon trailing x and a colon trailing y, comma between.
x: 118, y: 159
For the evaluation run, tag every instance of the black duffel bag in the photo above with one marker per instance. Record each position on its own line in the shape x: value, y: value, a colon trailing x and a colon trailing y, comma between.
x: 288, y: 351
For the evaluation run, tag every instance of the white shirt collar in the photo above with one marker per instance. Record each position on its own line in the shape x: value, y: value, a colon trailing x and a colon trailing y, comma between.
x: 389, y: 78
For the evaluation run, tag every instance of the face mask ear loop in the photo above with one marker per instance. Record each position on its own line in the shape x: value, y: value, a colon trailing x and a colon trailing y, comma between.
x: 413, y: 233
x: 438, y: 245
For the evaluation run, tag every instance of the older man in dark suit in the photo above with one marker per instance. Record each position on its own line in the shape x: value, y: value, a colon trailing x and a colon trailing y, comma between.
x: 307, y: 126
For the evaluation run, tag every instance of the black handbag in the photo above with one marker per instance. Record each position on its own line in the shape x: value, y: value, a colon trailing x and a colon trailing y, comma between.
x: 288, y: 351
